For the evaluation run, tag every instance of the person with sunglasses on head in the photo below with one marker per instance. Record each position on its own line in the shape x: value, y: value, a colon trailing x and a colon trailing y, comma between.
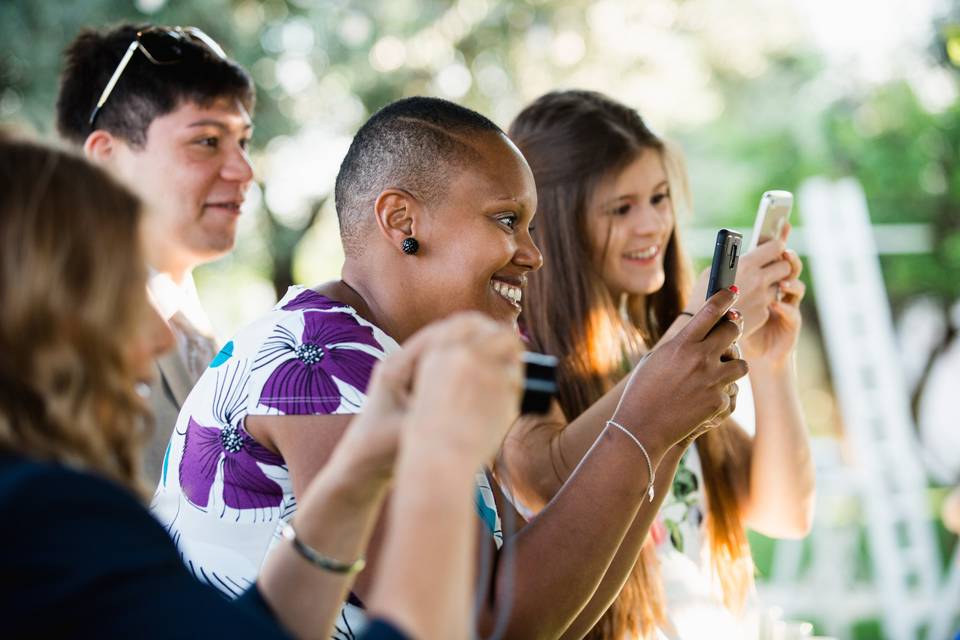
x: 81, y: 555
x: 166, y: 113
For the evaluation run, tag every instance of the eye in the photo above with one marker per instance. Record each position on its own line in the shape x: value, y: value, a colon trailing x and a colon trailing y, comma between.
x: 659, y: 197
x: 245, y: 143
x: 509, y: 220
x: 621, y: 209
x: 212, y: 142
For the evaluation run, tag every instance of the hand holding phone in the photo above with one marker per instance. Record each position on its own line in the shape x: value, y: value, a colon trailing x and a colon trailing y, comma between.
x: 726, y: 257
x: 772, y: 214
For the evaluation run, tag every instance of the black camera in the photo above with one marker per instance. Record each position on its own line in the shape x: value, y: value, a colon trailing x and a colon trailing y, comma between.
x: 539, y: 382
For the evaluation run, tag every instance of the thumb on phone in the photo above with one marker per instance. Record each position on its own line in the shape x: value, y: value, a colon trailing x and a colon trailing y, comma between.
x: 710, y: 314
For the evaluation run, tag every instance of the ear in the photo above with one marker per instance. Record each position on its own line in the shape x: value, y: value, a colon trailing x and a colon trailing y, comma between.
x: 100, y: 147
x: 397, y: 214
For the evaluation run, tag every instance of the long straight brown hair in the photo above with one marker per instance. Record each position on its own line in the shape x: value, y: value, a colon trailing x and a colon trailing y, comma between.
x: 574, y: 141
x: 72, y: 295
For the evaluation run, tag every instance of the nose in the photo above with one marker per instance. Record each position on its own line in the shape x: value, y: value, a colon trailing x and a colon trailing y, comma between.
x: 528, y: 255
x: 237, y: 166
x: 648, y: 220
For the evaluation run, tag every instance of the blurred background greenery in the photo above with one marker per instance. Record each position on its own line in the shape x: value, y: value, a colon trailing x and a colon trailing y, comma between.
x: 761, y: 94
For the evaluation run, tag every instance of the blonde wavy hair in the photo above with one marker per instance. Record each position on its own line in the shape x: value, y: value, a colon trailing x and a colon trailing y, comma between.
x: 72, y: 297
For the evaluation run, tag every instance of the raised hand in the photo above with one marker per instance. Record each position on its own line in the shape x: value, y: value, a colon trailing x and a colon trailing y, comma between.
x: 758, y: 276
x: 685, y: 386
x: 467, y: 384
x: 774, y: 342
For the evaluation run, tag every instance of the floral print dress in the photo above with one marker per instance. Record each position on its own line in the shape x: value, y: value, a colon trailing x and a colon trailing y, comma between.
x: 694, y: 600
x: 222, y: 496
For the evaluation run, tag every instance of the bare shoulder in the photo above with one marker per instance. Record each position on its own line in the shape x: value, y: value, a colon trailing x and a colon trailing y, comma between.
x: 305, y: 442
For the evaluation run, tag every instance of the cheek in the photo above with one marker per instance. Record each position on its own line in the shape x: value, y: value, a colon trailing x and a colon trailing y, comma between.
x: 194, y: 179
x: 601, y: 237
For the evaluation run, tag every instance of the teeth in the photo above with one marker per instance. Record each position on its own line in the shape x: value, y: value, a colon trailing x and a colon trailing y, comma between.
x: 644, y: 254
x: 508, y: 291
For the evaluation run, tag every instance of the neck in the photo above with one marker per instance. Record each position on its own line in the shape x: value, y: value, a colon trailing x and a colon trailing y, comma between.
x: 383, y: 304
x: 177, y: 271
x: 164, y: 256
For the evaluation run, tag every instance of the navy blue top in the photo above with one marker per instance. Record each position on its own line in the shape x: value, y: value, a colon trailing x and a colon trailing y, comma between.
x: 81, y: 556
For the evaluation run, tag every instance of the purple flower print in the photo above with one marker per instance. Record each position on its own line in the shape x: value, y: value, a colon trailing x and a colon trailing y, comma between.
x: 303, y: 384
x: 245, y: 486
x: 310, y: 299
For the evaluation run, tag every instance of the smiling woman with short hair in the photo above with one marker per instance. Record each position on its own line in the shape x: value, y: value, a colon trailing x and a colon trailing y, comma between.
x: 435, y: 206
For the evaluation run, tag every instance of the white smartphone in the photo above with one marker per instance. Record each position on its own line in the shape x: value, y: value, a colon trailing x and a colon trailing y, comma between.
x: 773, y: 213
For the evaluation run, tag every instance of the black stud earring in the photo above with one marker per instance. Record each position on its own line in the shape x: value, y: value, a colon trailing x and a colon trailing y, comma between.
x: 410, y: 246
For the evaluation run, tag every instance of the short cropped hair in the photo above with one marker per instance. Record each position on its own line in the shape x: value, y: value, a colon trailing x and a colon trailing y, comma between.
x: 416, y: 144
x: 145, y: 91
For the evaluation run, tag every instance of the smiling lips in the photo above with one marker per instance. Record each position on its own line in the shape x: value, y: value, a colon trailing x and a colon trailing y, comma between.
x: 510, y: 292
x: 231, y: 206
x: 643, y: 255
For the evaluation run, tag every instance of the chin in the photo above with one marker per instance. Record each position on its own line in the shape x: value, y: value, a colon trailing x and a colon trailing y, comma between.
x: 646, y: 288
x: 218, y: 246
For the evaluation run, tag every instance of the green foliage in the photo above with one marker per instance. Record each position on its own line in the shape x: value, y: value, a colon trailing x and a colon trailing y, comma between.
x: 776, y: 129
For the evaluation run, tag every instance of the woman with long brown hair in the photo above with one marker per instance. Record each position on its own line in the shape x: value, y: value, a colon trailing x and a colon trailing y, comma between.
x: 614, y: 283
x: 82, y: 556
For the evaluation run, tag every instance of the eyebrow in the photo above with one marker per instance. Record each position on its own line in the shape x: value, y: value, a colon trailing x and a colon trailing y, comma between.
x: 217, y: 124
x: 512, y: 199
x: 625, y: 196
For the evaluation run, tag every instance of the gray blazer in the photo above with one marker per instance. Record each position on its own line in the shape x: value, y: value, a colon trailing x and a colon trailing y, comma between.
x: 171, y: 385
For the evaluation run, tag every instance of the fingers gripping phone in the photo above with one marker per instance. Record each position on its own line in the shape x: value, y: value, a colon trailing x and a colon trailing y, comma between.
x: 726, y: 256
x: 772, y: 214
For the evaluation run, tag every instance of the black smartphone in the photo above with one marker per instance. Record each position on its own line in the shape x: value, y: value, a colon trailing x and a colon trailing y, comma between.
x: 539, y: 382
x: 726, y: 256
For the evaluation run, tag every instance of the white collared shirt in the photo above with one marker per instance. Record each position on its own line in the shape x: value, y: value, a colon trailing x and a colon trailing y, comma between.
x: 171, y: 299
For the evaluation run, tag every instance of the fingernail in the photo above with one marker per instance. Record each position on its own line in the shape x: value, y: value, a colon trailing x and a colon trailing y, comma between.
x: 735, y: 289
x: 735, y: 314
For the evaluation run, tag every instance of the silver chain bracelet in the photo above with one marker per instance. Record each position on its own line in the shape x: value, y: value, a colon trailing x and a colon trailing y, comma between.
x: 643, y: 450
x: 317, y: 559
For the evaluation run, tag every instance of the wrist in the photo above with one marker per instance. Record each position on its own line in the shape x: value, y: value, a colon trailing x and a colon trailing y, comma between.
x: 767, y: 370
x: 651, y: 468
x: 675, y: 452
x: 648, y: 435
x: 429, y: 436
x: 354, y: 475
x: 336, y: 491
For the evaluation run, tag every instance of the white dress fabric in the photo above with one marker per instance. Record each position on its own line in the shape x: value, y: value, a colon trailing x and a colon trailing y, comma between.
x: 222, y: 496
x: 694, y: 600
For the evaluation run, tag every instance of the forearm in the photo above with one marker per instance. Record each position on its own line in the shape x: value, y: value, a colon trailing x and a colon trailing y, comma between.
x: 335, y: 517
x: 782, y: 478
x: 543, y: 457
x: 573, y: 442
x: 629, y: 552
x: 425, y: 580
x: 561, y: 557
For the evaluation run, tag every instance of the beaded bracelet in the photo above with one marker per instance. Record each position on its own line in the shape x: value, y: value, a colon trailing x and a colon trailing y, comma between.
x: 643, y: 450
x: 317, y: 559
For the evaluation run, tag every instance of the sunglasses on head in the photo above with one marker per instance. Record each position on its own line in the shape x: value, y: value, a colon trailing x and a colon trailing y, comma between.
x: 159, y: 46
